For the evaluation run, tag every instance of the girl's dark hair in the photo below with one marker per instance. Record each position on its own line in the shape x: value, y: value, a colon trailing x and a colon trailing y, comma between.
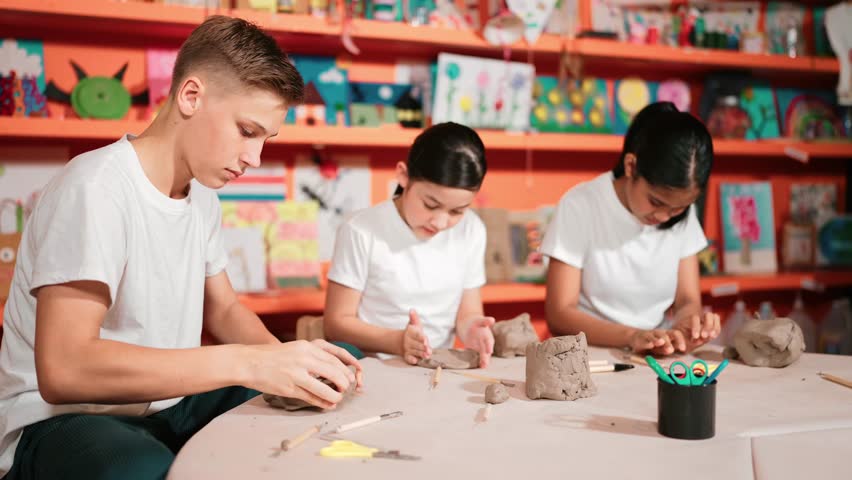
x: 447, y: 154
x: 673, y: 150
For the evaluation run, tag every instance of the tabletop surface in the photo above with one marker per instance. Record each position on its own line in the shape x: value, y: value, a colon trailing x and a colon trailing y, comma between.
x: 762, y: 415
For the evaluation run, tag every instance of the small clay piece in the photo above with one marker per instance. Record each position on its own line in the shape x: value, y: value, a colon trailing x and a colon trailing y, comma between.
x: 293, y: 404
x: 769, y: 343
x: 496, y: 393
x: 558, y: 368
x: 451, y: 358
x: 511, y: 337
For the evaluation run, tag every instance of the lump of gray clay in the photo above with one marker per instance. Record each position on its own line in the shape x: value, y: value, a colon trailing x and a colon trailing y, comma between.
x: 496, y: 393
x: 452, y: 359
x: 511, y: 337
x: 293, y: 404
x: 558, y: 369
x: 769, y: 343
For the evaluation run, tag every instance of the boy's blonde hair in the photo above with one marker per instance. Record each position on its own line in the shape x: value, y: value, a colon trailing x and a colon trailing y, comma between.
x: 240, y: 50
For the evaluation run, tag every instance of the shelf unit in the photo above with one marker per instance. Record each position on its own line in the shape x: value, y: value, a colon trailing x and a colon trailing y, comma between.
x: 394, y: 137
x: 173, y: 20
x: 312, y: 300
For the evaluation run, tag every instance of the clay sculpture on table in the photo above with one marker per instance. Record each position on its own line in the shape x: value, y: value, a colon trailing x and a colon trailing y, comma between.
x: 293, y: 404
x: 769, y: 343
x: 496, y: 393
x: 558, y: 369
x: 511, y: 337
x: 451, y: 358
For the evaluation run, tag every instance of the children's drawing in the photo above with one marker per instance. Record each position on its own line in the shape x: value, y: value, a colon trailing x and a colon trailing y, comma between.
x: 159, y: 63
x: 97, y: 96
x: 482, y: 92
x: 748, y: 227
x: 326, y: 92
x: 534, y: 13
x: 579, y: 106
x: 258, y: 184
x: 631, y: 95
x: 22, y: 79
x: 375, y: 104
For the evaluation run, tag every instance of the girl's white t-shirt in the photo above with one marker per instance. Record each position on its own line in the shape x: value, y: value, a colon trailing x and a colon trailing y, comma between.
x: 377, y: 253
x: 629, y: 270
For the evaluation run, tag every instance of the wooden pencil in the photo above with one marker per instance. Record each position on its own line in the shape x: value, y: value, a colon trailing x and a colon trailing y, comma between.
x: 436, y: 377
x: 291, y: 444
x: 836, y: 379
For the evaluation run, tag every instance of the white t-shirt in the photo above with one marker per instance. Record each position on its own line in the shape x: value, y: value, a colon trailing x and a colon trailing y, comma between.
x: 629, y: 270
x: 101, y: 219
x: 377, y: 254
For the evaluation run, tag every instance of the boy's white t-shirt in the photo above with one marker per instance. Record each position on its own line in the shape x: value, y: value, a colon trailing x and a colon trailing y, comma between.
x: 629, y: 270
x: 377, y: 253
x: 101, y: 219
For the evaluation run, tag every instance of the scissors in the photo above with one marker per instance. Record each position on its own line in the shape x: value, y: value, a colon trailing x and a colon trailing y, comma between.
x: 349, y: 449
x: 693, y: 375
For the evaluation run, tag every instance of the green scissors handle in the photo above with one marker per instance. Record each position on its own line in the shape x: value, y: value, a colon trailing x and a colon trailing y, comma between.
x: 693, y: 375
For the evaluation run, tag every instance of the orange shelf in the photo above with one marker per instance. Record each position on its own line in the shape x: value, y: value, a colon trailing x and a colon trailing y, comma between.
x: 397, y: 137
x: 700, y: 58
x: 312, y: 300
x: 105, y: 16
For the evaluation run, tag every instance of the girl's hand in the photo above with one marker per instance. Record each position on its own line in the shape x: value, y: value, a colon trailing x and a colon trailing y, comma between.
x: 415, y: 344
x: 696, y: 330
x: 654, y: 341
x: 479, y: 337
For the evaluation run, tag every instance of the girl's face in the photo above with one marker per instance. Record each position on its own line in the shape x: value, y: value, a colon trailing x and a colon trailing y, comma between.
x: 429, y: 208
x: 653, y: 205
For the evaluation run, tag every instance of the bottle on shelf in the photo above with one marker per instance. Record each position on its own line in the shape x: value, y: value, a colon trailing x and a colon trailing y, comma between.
x: 766, y: 312
x: 733, y: 323
x: 836, y: 332
x: 805, y: 322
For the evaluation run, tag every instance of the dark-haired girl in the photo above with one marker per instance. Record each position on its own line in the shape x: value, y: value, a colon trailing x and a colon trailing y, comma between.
x: 623, y: 246
x: 405, y: 274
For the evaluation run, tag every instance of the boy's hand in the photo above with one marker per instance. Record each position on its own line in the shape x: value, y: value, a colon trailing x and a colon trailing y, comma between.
x: 415, y: 344
x: 479, y: 337
x: 292, y: 370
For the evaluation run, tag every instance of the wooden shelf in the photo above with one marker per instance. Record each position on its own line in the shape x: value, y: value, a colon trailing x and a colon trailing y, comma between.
x: 126, y: 18
x: 312, y: 300
x: 396, y: 137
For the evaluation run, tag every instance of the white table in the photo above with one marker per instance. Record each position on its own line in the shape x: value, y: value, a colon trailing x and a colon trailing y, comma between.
x: 762, y: 415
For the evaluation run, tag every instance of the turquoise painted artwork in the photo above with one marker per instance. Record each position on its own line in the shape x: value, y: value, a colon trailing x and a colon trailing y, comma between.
x: 326, y: 93
x: 579, y: 106
x: 631, y: 95
x: 758, y: 100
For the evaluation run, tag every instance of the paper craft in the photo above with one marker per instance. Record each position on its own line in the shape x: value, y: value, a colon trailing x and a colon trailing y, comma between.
x: 580, y: 106
x: 290, y: 238
x: 246, y: 258
x: 563, y: 19
x: 534, y: 13
x: 339, y: 185
x: 808, y: 115
x: 96, y: 96
x: 160, y: 63
x: 376, y: 104
x: 484, y: 93
x: 326, y: 92
x: 631, y: 95
x: 22, y: 79
x: 748, y: 227
x: 262, y: 183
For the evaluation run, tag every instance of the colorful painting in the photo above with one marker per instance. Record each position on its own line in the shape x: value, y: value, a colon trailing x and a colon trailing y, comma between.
x: 246, y: 258
x: 160, y: 63
x: 631, y: 95
x: 290, y: 238
x: 526, y: 231
x: 580, y: 106
x: 675, y: 91
x: 326, y: 92
x: 485, y: 93
x: 748, y: 227
x: 22, y: 79
x: 758, y: 101
x: 339, y: 185
x: 808, y: 114
x: 814, y: 204
x: 376, y: 104
x: 258, y: 184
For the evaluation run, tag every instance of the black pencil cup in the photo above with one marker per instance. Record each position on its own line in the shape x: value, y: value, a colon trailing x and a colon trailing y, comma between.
x: 687, y: 413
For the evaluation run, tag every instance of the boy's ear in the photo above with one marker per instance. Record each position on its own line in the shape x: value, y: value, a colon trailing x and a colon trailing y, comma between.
x: 402, y: 174
x: 630, y: 165
x: 189, y: 95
